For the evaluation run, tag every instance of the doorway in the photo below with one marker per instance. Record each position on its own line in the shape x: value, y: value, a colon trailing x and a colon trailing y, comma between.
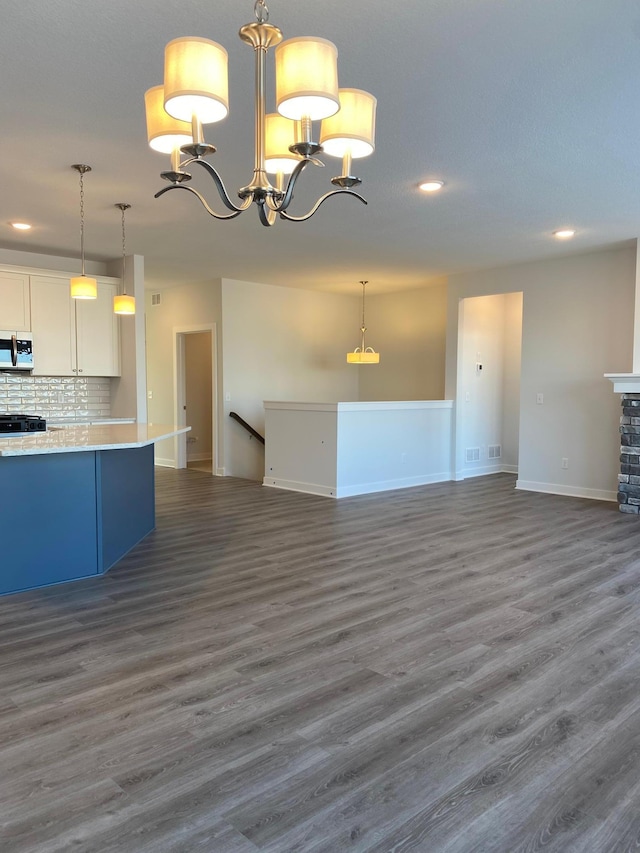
x: 195, y: 398
x: 488, y: 385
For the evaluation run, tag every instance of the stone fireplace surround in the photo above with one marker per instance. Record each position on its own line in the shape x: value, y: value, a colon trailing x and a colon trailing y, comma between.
x: 628, y: 384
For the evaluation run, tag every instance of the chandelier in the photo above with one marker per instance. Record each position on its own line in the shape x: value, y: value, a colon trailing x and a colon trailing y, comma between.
x: 195, y: 92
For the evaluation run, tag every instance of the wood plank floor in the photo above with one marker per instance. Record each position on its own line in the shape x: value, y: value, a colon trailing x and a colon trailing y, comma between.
x: 447, y: 668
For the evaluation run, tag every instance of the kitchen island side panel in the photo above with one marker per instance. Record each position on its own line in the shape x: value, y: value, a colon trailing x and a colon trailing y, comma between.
x: 126, y: 501
x: 48, y: 522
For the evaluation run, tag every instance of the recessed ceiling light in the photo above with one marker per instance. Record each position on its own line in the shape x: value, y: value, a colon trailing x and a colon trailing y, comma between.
x: 431, y: 186
x: 21, y: 226
x: 564, y: 233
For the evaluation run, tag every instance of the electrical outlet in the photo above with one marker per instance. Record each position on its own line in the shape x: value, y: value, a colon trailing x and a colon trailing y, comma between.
x: 540, y: 398
x: 403, y: 458
x: 467, y: 397
x: 565, y: 462
x: 150, y: 395
x: 227, y: 397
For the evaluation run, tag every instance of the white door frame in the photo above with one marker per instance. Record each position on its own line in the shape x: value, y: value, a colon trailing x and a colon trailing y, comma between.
x: 180, y: 392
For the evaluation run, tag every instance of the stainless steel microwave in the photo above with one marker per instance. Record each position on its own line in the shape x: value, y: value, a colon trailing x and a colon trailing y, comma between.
x: 16, y: 350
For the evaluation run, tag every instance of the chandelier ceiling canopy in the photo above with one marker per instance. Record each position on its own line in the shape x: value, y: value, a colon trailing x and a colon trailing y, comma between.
x: 196, y: 92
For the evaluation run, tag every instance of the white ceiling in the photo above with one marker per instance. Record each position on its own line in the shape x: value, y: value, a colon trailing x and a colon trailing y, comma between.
x: 529, y: 110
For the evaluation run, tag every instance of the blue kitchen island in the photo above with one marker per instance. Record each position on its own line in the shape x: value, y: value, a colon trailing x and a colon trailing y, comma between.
x: 74, y: 501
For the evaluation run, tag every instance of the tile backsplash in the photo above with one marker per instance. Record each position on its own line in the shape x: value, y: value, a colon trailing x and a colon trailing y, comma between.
x: 55, y: 397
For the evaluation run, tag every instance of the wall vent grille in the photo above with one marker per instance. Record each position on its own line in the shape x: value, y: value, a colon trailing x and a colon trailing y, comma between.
x: 495, y: 451
x: 473, y: 454
x: 155, y: 299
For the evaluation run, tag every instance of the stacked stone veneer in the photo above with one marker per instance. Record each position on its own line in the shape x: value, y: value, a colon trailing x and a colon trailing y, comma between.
x: 59, y: 398
x: 629, y: 477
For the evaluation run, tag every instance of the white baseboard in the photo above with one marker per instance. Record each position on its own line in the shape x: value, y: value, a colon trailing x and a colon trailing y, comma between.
x: 509, y: 469
x: 164, y: 463
x: 467, y: 473
x: 294, y: 486
x: 220, y: 472
x: 199, y: 457
x: 390, y: 485
x: 568, y: 491
x: 360, y: 488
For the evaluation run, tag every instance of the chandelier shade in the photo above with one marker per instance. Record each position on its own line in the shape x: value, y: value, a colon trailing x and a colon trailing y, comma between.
x: 164, y: 133
x: 82, y: 286
x: 280, y: 135
x: 307, y: 78
x: 352, y: 129
x: 196, y: 80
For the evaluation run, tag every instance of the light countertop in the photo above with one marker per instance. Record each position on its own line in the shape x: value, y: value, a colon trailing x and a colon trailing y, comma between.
x: 70, y: 439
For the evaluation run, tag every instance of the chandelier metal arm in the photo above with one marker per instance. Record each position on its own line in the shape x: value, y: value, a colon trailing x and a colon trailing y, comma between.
x: 198, y: 195
x: 222, y: 190
x: 268, y: 216
x: 285, y: 215
x: 288, y: 193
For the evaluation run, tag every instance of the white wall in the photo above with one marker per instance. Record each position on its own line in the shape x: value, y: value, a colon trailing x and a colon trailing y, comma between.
x: 280, y: 344
x: 409, y: 330
x: 511, y: 381
x: 185, y: 305
x: 577, y: 325
x: 489, y: 399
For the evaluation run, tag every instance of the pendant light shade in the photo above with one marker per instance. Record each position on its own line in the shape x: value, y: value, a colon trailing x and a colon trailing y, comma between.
x: 279, y: 136
x: 123, y: 304
x: 82, y: 286
x: 307, y: 78
x: 363, y: 354
x: 196, y: 80
x: 164, y: 132
x: 352, y: 130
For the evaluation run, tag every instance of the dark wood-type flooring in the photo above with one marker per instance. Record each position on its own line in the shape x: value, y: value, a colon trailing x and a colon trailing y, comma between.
x: 446, y: 668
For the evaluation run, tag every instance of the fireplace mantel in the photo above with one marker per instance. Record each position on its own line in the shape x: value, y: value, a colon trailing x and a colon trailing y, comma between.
x: 624, y: 383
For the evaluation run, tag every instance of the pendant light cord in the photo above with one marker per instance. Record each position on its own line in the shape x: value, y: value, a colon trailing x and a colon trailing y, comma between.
x: 82, y: 219
x: 124, y: 207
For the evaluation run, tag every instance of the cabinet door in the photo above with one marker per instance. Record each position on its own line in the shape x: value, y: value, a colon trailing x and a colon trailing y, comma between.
x: 98, y: 334
x: 15, y: 310
x: 52, y: 315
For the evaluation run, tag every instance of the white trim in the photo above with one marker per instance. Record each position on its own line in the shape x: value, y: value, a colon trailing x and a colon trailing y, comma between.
x: 360, y: 489
x: 220, y: 472
x: 293, y: 486
x: 393, y: 406
x: 568, y: 491
x: 179, y: 390
x: 164, y: 463
x: 624, y: 383
x: 389, y: 485
x: 198, y: 457
x: 509, y: 469
x: 39, y: 271
x: 484, y: 471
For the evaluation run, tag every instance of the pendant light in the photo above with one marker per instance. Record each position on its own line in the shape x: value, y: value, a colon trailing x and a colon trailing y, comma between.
x: 123, y: 304
x: 363, y: 354
x: 82, y: 286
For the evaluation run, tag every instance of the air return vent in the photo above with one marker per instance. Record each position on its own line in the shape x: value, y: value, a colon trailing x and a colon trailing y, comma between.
x: 155, y: 299
x: 495, y: 451
x: 473, y: 454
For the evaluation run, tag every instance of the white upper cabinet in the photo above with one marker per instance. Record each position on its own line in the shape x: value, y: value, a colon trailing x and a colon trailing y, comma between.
x: 15, y: 308
x: 73, y: 337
